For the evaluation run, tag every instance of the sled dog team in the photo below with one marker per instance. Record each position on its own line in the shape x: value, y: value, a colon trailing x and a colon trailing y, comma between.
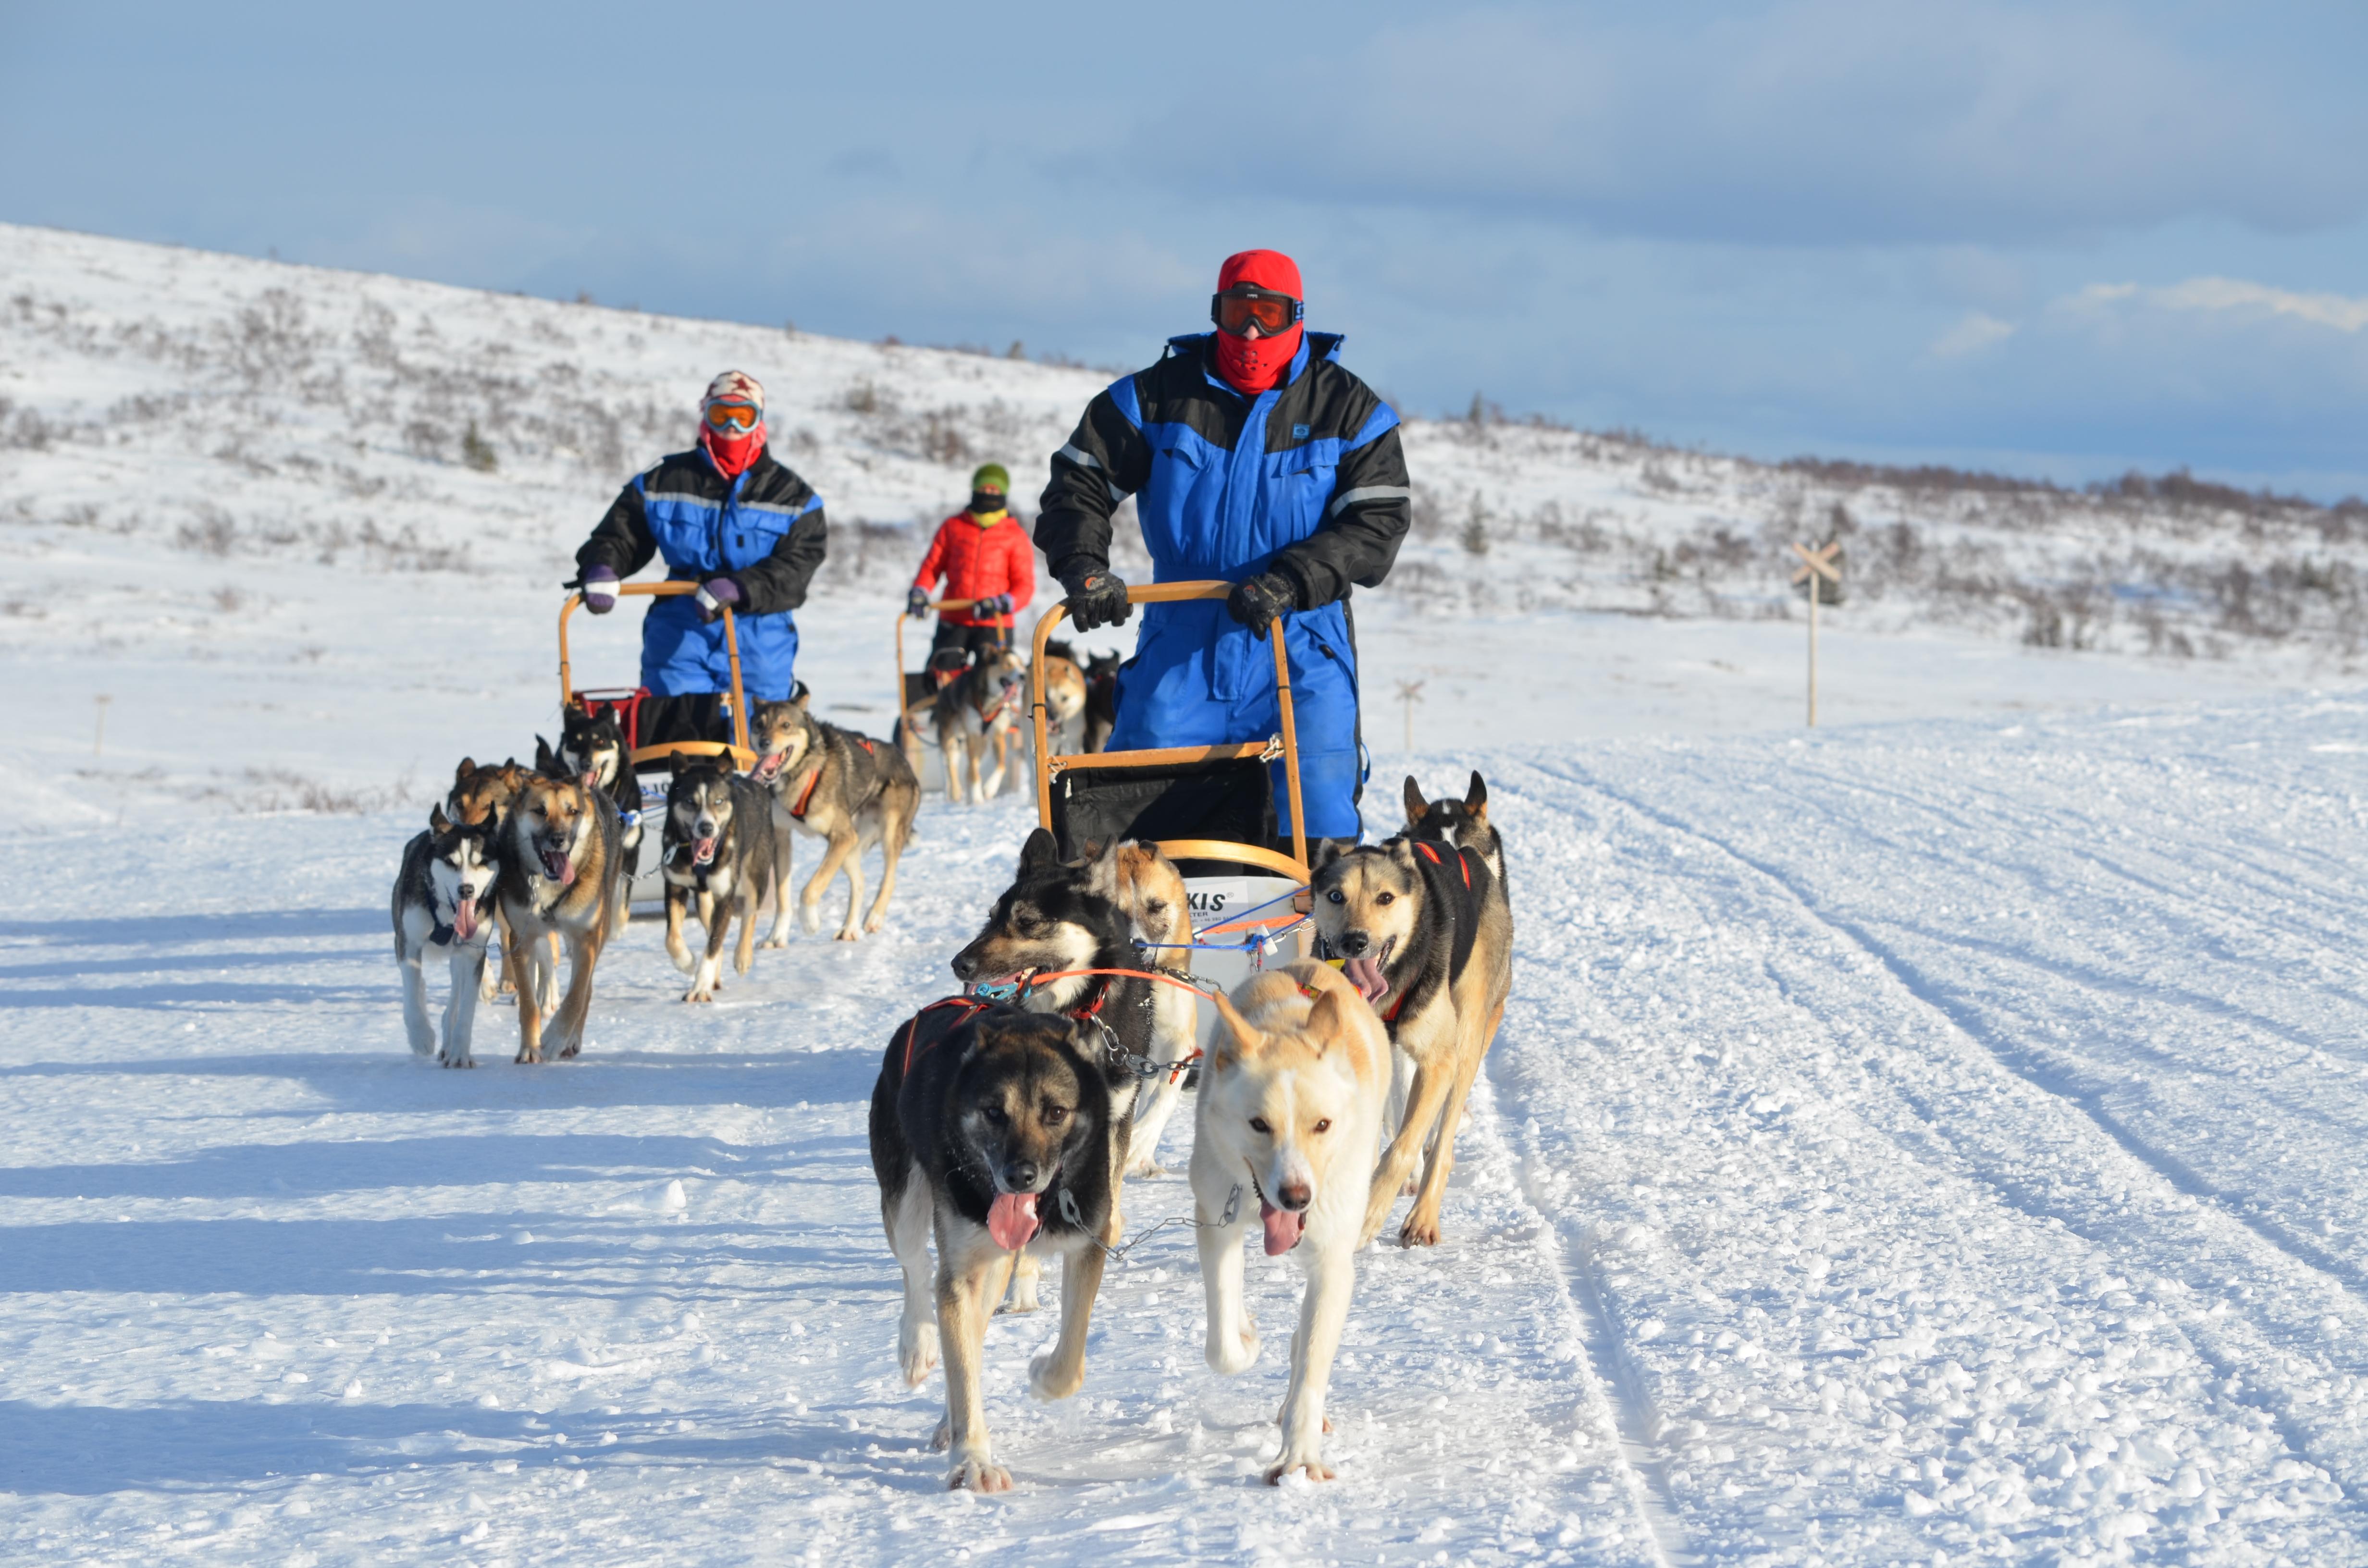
x: 1006, y: 1118
x: 545, y: 854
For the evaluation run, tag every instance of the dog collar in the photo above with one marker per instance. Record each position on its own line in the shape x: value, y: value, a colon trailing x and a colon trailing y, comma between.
x: 440, y: 935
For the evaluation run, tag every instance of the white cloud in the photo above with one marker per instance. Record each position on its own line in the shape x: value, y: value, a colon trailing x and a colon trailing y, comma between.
x: 1975, y: 333
x: 2231, y: 296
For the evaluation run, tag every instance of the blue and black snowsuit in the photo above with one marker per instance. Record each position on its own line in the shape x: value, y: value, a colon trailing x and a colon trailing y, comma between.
x: 764, y: 530
x: 1306, y: 481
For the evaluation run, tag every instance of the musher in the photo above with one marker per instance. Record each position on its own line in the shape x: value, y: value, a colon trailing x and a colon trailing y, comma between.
x: 982, y: 555
x: 749, y: 532
x: 1253, y: 456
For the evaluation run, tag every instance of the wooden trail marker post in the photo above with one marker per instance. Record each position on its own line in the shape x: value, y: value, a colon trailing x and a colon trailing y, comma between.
x: 1410, y: 693
x: 1816, y: 569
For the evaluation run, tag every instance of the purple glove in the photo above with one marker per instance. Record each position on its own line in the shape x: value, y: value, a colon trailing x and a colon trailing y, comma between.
x: 600, y: 589
x: 994, y: 603
x: 716, y: 595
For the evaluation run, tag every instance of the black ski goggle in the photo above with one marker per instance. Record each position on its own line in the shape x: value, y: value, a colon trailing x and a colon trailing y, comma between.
x: 1238, y: 306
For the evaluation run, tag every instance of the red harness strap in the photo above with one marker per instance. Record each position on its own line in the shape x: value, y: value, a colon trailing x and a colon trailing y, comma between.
x: 913, y: 1024
x: 799, y: 811
x: 1431, y: 852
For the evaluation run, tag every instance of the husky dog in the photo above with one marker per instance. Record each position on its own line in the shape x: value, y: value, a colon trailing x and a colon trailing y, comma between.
x: 1463, y: 824
x: 592, y: 747
x: 845, y: 788
x: 560, y: 867
x: 1101, y: 700
x: 1150, y: 892
x: 1428, y: 939
x: 1000, y: 1131
x: 1289, y: 1117
x: 1065, y: 691
x: 1054, y: 918
x: 719, y: 850
x: 979, y: 706
x: 444, y: 900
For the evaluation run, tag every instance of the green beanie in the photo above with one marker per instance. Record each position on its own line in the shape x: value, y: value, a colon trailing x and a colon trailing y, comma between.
x: 991, y: 476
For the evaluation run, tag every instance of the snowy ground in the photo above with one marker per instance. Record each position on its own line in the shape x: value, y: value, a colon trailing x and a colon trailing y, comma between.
x: 1919, y: 1139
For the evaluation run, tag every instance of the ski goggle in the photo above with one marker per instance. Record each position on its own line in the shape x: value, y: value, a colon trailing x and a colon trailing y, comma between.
x: 1238, y: 306
x: 731, y: 417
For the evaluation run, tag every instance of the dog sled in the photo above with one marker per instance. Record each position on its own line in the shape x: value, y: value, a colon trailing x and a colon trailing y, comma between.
x: 646, y: 885
x: 1207, y: 808
x: 917, y: 698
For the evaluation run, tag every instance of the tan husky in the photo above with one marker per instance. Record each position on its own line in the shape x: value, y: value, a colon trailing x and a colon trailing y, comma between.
x: 560, y: 866
x: 1150, y: 892
x: 1427, y: 936
x: 981, y: 708
x: 847, y: 789
x: 1289, y: 1117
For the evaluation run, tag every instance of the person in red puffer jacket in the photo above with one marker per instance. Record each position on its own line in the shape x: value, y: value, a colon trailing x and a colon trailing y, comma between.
x: 980, y: 554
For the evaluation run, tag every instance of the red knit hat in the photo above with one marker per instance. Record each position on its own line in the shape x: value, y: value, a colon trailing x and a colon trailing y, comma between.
x: 1252, y: 365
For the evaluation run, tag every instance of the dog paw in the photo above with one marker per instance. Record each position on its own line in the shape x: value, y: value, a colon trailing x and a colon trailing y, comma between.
x: 1047, y: 1381
x: 457, y: 1060
x: 848, y: 933
x: 1241, y: 1355
x: 699, y: 994
x: 873, y: 925
x: 978, y: 1475
x: 1140, y: 1168
x: 529, y: 1058
x: 1313, y: 1468
x: 777, y: 939
x: 917, y: 1354
x: 571, y: 1049
x: 1420, y: 1231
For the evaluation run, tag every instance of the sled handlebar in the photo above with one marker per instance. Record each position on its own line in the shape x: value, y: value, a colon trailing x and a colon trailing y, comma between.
x: 663, y: 590
x: 1285, y: 743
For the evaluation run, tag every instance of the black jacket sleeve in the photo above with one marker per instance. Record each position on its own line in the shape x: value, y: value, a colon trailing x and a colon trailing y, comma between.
x: 622, y: 541
x: 779, y: 581
x: 1363, y: 526
x: 1106, y: 461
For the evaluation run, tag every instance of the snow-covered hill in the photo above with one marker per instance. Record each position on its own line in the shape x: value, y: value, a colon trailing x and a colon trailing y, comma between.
x: 236, y: 498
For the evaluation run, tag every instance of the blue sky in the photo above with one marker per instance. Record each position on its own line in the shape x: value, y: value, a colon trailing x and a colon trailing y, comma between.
x: 2066, y: 238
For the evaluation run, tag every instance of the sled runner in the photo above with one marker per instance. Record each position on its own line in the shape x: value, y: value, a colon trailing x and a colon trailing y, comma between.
x: 626, y: 702
x: 1211, y: 809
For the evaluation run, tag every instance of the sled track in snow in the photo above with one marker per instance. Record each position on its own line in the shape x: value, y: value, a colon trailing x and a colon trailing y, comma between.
x: 2252, y: 1388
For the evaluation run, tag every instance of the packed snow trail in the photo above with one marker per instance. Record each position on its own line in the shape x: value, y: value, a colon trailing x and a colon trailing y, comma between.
x: 272, y: 1287
x: 1909, y: 1142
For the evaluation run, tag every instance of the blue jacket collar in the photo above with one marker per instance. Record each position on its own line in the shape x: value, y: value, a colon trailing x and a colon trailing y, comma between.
x: 1313, y: 346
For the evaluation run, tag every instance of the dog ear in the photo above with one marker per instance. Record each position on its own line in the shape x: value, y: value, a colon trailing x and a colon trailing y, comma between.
x: 437, y: 820
x: 460, y: 774
x: 1234, y: 1039
x: 1041, y: 854
x: 800, y: 697
x: 1475, y: 799
x: 1415, y: 805
x: 1102, y: 871
x: 544, y: 762
x: 1326, y: 851
x: 1327, y: 1020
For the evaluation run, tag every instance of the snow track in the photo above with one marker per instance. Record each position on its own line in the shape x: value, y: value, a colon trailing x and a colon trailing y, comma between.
x: 1924, y: 1142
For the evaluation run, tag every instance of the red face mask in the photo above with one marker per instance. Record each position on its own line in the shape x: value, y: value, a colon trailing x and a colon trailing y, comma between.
x: 734, y: 455
x: 1253, y: 364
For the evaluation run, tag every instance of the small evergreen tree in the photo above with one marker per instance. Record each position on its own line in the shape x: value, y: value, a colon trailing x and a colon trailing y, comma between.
x: 476, y: 451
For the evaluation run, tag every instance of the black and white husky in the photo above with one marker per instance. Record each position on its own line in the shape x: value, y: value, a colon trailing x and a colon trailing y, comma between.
x: 592, y: 747
x: 444, y: 902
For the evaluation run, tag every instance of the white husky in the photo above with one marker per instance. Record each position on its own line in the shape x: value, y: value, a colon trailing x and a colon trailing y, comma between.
x: 1287, y: 1125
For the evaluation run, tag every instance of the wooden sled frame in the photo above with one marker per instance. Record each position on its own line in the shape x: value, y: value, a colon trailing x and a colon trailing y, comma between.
x: 742, y: 756
x: 1284, y: 744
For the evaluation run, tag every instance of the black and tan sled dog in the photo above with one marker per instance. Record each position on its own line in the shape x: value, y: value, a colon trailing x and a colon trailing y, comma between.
x: 720, y: 851
x: 1064, y: 916
x: 560, y: 866
x: 592, y: 747
x: 996, y: 1131
x: 847, y: 789
x: 1427, y: 934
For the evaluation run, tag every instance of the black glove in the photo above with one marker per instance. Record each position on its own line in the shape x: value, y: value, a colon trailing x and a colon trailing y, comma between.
x: 1096, y: 598
x: 917, y: 603
x: 1257, y: 602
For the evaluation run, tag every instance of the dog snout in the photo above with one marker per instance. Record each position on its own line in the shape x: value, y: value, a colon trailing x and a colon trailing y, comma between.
x: 965, y: 965
x: 468, y: 893
x: 1294, y: 1196
x: 1353, y: 943
x: 1020, y: 1176
x: 704, y: 827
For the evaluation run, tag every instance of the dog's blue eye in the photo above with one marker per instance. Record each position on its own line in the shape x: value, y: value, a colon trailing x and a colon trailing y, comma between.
x: 1336, y: 897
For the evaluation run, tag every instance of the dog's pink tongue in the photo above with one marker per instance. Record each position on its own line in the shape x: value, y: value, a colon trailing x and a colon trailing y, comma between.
x: 464, y: 919
x: 767, y: 766
x: 558, y: 868
x: 1282, y: 1228
x: 1011, y: 1220
x: 1366, y: 976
